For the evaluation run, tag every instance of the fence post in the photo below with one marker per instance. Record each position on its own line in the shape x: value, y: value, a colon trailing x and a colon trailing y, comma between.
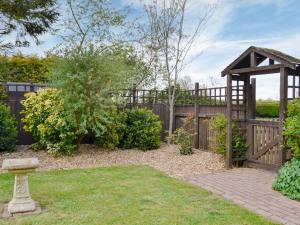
x: 134, y: 95
x: 31, y: 87
x: 196, y: 116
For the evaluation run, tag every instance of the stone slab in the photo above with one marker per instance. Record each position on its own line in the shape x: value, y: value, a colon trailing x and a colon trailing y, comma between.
x: 19, y: 164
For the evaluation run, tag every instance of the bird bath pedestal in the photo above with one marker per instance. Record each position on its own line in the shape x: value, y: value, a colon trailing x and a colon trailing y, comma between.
x: 22, y: 201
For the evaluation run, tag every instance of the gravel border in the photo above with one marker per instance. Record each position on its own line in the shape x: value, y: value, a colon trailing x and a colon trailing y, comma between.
x: 166, y: 159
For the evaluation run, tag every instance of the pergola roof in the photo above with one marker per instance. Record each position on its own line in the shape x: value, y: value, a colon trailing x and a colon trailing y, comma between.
x: 259, y: 55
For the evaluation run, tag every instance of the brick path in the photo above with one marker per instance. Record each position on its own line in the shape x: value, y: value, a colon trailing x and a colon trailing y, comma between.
x: 251, y: 188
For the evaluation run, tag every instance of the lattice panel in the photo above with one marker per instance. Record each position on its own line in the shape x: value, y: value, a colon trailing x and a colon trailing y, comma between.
x: 238, y: 100
x: 293, y: 87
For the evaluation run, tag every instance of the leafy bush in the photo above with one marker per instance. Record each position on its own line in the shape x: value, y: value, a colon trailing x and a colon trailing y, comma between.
x: 183, y: 136
x: 45, y: 118
x: 25, y: 68
x: 267, y: 109
x: 114, y: 132
x: 288, y: 179
x: 87, y: 77
x: 142, y: 130
x: 218, y: 134
x: 292, y: 127
x: 8, y: 129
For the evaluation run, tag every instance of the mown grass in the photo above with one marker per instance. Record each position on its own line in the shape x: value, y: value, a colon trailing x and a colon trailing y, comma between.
x: 133, y: 195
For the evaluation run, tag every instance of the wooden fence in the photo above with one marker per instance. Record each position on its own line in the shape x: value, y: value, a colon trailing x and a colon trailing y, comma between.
x: 202, y: 103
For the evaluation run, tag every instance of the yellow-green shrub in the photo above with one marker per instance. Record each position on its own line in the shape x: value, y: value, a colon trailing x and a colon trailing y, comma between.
x: 25, y: 68
x: 45, y: 118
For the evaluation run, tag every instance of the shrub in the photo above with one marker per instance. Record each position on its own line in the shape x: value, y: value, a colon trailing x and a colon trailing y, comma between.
x: 87, y: 77
x: 114, y: 132
x: 45, y: 118
x: 20, y: 68
x: 142, y: 130
x: 217, y: 137
x: 268, y: 109
x: 288, y: 179
x: 217, y: 133
x: 8, y: 129
x: 292, y: 127
x: 183, y: 136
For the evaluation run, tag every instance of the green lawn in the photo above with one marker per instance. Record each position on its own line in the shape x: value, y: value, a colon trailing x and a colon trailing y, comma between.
x: 135, y: 195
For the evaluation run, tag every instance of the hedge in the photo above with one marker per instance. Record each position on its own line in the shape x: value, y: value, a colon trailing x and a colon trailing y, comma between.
x: 24, y: 68
x: 267, y: 109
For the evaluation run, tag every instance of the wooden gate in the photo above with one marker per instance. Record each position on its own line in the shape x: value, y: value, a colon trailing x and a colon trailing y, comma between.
x: 263, y: 140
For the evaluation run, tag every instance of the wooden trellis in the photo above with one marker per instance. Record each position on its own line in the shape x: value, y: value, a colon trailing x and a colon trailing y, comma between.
x: 264, y: 138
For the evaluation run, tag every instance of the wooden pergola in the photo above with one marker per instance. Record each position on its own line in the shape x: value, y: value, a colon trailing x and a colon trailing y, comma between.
x: 241, y: 103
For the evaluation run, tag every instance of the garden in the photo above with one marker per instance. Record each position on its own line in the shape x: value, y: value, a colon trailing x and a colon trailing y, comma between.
x: 115, y: 133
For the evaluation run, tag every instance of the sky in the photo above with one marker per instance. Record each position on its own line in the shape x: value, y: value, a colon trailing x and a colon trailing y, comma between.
x: 234, y: 26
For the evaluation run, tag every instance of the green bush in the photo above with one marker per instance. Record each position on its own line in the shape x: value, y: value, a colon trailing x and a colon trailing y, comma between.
x: 45, y: 118
x: 114, y: 132
x: 25, y: 68
x: 142, y: 130
x: 183, y: 136
x: 8, y: 129
x: 288, y: 179
x: 267, y: 109
x: 217, y: 137
x: 217, y: 133
x: 292, y: 127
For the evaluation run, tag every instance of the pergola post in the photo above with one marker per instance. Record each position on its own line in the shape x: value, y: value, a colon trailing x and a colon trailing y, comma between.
x: 253, y: 97
x: 229, y: 123
x: 282, y: 111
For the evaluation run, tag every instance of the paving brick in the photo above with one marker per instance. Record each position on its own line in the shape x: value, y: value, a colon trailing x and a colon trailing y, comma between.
x: 252, y: 189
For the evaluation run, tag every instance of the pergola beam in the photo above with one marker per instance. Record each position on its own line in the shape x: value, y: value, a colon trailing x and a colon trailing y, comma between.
x: 258, y: 70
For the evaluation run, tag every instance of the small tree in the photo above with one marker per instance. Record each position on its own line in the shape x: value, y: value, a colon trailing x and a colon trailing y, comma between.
x: 87, y: 79
x: 93, y: 21
x: 172, y: 41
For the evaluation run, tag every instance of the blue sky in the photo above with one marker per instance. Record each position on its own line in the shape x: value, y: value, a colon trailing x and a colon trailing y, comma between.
x: 235, y: 25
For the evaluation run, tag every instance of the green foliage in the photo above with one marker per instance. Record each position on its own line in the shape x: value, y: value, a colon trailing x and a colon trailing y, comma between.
x: 218, y: 134
x: 288, y: 179
x: 183, y: 136
x: 267, y: 109
x: 292, y: 127
x: 217, y: 138
x: 239, y: 145
x: 8, y: 129
x: 114, y: 132
x: 142, y: 130
x: 46, y: 119
x: 25, y: 68
x: 87, y: 77
x: 23, y: 18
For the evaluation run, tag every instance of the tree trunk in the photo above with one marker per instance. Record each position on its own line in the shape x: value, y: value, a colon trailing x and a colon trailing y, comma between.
x: 79, y: 140
x: 171, y: 120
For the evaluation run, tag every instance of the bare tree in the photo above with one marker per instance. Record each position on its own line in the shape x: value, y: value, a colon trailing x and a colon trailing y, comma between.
x: 173, y: 40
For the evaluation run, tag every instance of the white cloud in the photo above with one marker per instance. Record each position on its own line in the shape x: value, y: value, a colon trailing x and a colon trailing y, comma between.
x: 216, y: 52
